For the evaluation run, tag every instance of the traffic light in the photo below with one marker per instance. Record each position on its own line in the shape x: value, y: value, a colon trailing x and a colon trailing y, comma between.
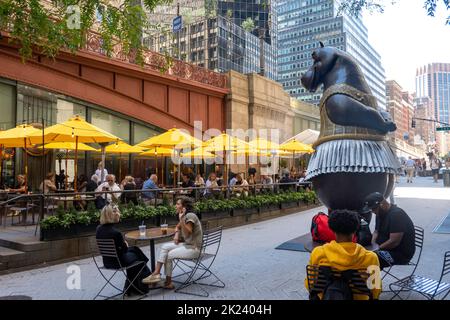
x: 413, y: 123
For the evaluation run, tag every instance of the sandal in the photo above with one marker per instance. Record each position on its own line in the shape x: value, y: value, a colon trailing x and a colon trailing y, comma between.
x: 169, y: 286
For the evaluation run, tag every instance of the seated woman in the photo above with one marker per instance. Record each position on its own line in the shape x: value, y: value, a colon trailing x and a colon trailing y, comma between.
x: 49, y: 184
x: 128, y: 184
x: 192, y: 233
x: 127, y: 255
x: 20, y: 186
x: 343, y: 254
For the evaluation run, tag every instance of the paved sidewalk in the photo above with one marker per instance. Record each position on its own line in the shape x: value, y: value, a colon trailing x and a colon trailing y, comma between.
x: 248, y: 262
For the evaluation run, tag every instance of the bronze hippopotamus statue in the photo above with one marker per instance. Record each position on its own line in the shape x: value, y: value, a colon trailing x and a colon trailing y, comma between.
x: 352, y: 156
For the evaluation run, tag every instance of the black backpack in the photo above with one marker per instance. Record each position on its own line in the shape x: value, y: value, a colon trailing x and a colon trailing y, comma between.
x: 364, y: 235
x: 338, y: 287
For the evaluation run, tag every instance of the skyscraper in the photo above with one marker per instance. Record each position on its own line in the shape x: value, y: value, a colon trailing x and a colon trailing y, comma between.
x: 216, y: 37
x: 433, y: 81
x: 302, y: 24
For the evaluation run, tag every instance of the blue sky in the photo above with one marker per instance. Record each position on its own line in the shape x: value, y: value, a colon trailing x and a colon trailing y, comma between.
x: 407, y: 38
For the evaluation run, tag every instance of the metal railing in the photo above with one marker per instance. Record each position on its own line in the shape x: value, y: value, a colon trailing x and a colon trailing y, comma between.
x: 47, y: 204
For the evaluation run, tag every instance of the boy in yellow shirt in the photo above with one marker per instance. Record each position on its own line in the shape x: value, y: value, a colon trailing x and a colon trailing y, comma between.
x: 343, y: 254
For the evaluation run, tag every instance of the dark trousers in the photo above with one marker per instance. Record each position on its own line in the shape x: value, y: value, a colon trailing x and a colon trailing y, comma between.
x: 132, y: 255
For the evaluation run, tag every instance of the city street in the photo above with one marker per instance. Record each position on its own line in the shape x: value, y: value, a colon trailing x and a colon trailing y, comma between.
x: 248, y: 262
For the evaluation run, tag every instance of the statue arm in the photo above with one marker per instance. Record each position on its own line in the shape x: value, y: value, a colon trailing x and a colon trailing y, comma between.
x: 346, y: 111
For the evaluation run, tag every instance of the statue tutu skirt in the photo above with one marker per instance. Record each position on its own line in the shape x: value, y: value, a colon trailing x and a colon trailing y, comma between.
x: 344, y: 172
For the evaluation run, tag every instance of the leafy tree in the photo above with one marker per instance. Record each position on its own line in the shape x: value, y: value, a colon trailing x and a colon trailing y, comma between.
x: 64, y: 24
x: 248, y: 24
x: 354, y: 7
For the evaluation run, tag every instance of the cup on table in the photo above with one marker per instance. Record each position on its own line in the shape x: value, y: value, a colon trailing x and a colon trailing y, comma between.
x: 142, y: 231
x: 164, y: 228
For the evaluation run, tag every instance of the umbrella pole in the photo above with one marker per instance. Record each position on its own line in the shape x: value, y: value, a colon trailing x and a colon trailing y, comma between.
x: 156, y: 164
x: 75, y: 165
x: 65, y: 176
x: 120, y: 166
x: 103, y: 162
x: 26, y: 162
x: 1, y: 164
x: 162, y: 171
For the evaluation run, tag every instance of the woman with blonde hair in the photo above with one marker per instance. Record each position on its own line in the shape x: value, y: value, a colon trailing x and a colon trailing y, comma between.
x: 110, y: 215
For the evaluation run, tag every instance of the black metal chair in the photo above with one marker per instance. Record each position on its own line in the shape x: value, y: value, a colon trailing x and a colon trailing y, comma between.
x: 107, y: 248
x: 419, y: 238
x: 318, y: 278
x: 197, y: 269
x: 427, y: 287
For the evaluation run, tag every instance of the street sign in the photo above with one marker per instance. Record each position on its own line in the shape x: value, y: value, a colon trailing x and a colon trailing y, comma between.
x: 177, y: 24
x: 443, y: 129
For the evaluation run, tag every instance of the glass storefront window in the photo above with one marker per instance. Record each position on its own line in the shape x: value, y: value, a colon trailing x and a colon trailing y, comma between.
x: 8, y: 121
x: 66, y: 110
x: 112, y: 124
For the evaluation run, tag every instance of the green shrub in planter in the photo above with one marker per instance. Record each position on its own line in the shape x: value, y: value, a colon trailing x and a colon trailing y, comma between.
x: 49, y: 223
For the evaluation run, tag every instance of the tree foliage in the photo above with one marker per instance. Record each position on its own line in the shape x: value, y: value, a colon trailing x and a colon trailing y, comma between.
x: 64, y: 24
x: 354, y: 7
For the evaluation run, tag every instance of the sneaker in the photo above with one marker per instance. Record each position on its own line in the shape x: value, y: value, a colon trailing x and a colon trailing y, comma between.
x: 153, y: 278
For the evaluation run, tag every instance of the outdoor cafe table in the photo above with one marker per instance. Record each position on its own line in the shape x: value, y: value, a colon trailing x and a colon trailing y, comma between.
x: 150, y: 235
x: 310, y: 245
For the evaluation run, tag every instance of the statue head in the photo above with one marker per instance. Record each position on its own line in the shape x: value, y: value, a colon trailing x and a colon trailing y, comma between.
x: 324, y: 60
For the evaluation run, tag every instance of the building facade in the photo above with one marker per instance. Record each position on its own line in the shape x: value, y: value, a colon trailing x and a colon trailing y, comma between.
x: 400, y: 106
x: 213, y: 36
x: 302, y: 24
x: 130, y: 101
x: 433, y: 80
x: 425, y: 130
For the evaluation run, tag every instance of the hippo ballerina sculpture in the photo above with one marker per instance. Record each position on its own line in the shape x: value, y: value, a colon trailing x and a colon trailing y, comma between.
x: 353, y: 157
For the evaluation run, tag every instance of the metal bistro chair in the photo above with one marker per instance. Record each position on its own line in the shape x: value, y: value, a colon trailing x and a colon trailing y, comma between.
x: 419, y: 238
x: 318, y: 278
x: 198, y: 269
x: 107, y: 248
x: 429, y: 288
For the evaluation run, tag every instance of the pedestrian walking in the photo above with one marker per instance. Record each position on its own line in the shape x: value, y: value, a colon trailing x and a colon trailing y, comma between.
x: 410, y: 168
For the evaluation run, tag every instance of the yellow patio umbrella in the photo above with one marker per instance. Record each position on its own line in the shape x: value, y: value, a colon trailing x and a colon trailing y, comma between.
x: 263, y: 144
x: 173, y: 138
x: 121, y: 147
x: 76, y: 130
x: 224, y: 143
x: 296, y: 146
x: 20, y: 137
x: 67, y: 146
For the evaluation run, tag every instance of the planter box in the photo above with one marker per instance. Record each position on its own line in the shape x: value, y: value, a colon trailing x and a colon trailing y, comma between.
x: 288, y: 205
x: 58, y: 234
x: 204, y: 216
x: 244, y: 212
x: 84, y: 230
x: 268, y: 208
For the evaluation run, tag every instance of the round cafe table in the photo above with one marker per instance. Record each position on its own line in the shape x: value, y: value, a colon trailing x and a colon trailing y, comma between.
x: 151, y: 235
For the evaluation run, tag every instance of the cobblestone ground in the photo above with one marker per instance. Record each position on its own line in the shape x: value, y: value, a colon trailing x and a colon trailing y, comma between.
x: 248, y: 262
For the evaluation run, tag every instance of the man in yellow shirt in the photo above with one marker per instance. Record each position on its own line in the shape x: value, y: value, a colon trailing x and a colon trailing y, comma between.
x: 343, y: 254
